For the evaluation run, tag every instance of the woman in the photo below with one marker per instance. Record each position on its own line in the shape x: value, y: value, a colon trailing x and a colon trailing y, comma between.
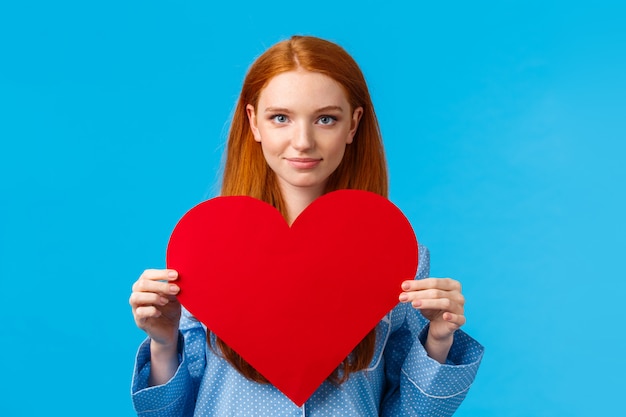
x: 304, y: 126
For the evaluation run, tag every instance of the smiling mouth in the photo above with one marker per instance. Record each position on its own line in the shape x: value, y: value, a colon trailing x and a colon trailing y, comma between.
x: 304, y: 163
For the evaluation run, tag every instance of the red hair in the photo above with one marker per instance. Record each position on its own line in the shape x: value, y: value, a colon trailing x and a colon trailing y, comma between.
x: 363, y: 166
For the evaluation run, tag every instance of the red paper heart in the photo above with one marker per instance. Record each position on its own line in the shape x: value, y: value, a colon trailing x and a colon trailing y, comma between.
x: 293, y: 302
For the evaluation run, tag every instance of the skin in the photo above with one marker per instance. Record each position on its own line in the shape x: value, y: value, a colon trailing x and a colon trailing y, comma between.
x: 303, y: 122
x: 157, y: 312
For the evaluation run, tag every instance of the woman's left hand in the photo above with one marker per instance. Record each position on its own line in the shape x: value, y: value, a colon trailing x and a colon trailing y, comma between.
x: 440, y: 301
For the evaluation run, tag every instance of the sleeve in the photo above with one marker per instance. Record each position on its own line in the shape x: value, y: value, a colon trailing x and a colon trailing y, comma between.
x: 417, y: 385
x: 178, y: 396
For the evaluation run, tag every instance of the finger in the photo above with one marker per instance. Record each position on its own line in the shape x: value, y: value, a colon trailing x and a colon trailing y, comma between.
x: 138, y: 299
x: 148, y: 285
x: 412, y: 296
x: 425, y: 294
x: 446, y: 284
x: 159, y: 274
x: 453, y: 296
x: 441, y: 304
x: 147, y: 312
x: 456, y: 319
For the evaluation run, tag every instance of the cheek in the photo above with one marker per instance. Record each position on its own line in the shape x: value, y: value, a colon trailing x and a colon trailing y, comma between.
x: 338, y: 153
x: 272, y: 150
x: 273, y: 139
x: 269, y: 147
x: 267, y: 151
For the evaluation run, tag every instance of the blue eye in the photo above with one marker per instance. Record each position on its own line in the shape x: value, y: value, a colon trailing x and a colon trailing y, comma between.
x: 280, y: 118
x: 327, y: 120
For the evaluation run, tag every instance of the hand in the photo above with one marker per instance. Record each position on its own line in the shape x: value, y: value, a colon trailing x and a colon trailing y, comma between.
x: 440, y: 301
x: 155, y: 307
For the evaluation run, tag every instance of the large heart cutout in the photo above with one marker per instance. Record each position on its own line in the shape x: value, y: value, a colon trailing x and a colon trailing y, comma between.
x: 293, y: 301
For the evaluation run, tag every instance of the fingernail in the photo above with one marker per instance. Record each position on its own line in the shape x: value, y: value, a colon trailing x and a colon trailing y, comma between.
x: 174, y: 289
x: 417, y: 303
x: 406, y: 286
x: 172, y: 274
x: 404, y: 297
x: 163, y: 300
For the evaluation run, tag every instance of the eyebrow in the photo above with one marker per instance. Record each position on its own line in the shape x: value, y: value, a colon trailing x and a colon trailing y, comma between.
x: 320, y: 110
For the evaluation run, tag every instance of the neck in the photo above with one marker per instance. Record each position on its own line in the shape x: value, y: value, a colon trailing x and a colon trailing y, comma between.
x: 297, y: 199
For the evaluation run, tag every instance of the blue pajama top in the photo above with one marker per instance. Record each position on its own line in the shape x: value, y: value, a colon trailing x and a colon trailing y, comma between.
x: 402, y: 380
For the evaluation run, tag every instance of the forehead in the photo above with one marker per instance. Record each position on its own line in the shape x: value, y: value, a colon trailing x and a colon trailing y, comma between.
x: 301, y: 87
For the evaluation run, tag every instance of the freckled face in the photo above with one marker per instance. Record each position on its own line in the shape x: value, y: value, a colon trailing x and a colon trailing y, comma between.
x: 303, y: 122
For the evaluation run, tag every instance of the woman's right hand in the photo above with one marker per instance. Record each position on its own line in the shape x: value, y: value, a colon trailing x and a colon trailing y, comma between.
x: 155, y: 306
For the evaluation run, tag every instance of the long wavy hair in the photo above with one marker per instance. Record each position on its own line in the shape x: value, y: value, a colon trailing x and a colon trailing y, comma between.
x: 363, y: 166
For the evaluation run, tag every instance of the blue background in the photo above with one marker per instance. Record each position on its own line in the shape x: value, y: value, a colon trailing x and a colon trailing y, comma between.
x: 504, y: 126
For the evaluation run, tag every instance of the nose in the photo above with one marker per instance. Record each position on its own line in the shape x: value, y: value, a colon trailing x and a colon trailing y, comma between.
x: 303, y: 138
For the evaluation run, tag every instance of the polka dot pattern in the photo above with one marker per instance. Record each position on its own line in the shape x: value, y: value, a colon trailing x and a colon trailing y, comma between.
x: 401, y: 380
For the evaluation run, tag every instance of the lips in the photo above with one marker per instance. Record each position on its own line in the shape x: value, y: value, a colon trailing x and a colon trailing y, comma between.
x: 304, y: 163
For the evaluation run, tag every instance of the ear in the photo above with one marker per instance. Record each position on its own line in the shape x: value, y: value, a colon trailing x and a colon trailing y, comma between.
x: 252, y: 120
x: 356, y: 118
